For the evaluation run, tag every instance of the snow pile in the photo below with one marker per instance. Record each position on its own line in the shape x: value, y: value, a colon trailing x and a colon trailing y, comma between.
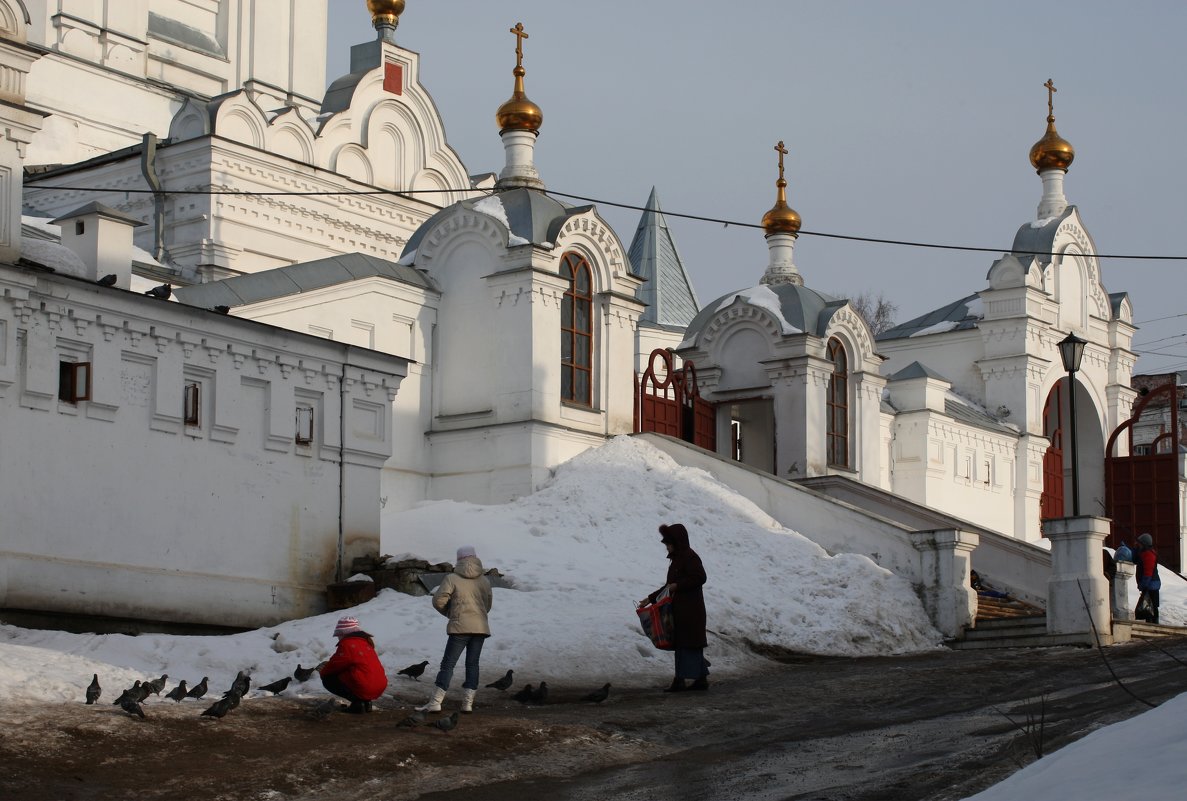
x: 580, y: 552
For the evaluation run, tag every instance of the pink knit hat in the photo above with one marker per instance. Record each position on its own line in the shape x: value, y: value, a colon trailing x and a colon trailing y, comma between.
x: 346, y: 625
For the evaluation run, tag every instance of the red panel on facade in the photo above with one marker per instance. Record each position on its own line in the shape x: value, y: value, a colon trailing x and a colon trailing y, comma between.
x: 393, y: 78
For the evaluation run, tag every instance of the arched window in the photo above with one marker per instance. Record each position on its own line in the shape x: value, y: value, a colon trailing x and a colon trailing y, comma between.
x: 577, y: 331
x: 838, y: 405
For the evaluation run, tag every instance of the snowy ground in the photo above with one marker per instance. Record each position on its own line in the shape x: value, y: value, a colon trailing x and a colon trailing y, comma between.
x: 580, y: 552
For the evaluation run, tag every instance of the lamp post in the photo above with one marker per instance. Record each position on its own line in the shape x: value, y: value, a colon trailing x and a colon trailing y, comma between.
x: 1071, y: 351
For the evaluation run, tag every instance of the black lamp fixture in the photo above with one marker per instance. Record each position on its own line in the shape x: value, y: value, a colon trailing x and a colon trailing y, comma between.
x: 1071, y: 351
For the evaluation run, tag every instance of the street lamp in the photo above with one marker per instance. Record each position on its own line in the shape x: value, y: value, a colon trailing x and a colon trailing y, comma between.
x: 1071, y: 351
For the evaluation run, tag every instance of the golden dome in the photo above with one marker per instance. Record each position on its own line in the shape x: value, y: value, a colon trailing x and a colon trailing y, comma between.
x: 1052, y: 152
x: 781, y: 219
x: 519, y: 113
x: 385, y: 11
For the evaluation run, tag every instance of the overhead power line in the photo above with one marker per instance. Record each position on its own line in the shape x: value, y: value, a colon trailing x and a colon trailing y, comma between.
x: 601, y: 202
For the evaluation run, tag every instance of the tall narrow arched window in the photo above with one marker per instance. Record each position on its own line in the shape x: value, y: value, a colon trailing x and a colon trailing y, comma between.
x: 577, y: 331
x: 838, y: 405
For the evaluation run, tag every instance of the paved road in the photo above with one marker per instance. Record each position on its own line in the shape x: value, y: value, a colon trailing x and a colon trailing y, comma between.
x: 933, y: 727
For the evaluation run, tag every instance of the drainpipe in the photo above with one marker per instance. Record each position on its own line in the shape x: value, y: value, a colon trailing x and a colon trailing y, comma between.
x: 340, y: 570
x: 148, y: 168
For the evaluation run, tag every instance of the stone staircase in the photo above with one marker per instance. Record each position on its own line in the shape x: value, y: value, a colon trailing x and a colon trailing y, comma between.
x: 1011, y: 623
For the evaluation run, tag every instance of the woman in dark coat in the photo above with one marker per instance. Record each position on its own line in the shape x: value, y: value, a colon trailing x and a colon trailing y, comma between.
x: 686, y: 576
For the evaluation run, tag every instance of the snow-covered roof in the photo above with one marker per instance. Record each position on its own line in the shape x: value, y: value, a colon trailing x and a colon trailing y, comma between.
x: 959, y: 315
x: 296, y: 278
x: 796, y: 308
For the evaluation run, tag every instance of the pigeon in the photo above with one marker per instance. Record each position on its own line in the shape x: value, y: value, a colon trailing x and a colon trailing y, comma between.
x: 93, y: 689
x: 178, y: 692
x: 232, y: 697
x: 107, y: 280
x: 525, y: 695
x: 241, y: 684
x: 156, y: 685
x: 446, y: 723
x: 163, y: 291
x: 277, y: 686
x: 222, y: 309
x: 198, y: 690
x: 222, y: 706
x: 541, y: 694
x: 503, y: 683
x: 598, y: 696
x: 132, y: 692
x: 414, y: 671
x: 132, y: 707
x: 412, y: 721
x: 302, y: 674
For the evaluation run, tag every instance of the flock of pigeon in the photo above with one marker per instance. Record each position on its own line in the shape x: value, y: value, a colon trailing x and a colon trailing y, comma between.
x: 131, y: 699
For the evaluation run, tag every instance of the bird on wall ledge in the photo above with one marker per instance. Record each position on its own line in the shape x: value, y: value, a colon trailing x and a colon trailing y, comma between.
x: 163, y: 291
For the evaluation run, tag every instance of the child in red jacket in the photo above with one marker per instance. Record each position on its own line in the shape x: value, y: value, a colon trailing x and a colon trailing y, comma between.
x: 354, y: 671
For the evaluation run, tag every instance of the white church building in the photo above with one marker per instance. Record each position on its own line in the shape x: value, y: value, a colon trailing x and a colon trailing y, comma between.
x: 353, y: 322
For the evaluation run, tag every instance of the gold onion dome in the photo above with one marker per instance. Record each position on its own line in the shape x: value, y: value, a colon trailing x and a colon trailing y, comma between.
x: 1052, y: 152
x: 519, y: 113
x: 385, y: 11
x: 781, y: 219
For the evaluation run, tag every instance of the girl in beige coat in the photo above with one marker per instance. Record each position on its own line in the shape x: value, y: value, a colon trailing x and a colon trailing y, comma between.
x: 465, y: 598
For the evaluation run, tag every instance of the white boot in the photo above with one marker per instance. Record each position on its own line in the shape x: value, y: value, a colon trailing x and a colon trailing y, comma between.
x: 434, y: 703
x: 468, y: 700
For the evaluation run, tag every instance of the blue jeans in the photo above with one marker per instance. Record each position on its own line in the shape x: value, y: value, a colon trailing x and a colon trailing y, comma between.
x: 472, y: 645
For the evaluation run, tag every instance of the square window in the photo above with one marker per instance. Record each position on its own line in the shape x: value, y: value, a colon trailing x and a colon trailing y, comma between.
x: 74, y: 381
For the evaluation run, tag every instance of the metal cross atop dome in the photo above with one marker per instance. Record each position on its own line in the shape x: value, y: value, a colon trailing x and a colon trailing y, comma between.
x: 782, y: 151
x: 1051, y: 90
x: 520, y: 35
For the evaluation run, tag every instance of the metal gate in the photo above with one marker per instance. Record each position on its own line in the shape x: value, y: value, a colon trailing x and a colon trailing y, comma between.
x: 668, y: 401
x: 1142, y: 489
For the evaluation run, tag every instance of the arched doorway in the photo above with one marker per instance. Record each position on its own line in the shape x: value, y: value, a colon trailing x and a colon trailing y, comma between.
x: 1056, y: 499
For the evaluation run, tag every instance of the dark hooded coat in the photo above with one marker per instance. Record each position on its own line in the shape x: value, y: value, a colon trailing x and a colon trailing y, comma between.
x: 688, y: 601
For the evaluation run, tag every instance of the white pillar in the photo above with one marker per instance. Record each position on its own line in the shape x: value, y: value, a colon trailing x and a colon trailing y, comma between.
x: 1053, y: 201
x: 519, y: 148
x: 946, y: 562
x: 1078, y: 592
x: 1121, y: 583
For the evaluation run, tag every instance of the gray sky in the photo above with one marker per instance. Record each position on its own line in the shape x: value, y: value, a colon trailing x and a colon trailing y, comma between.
x: 910, y: 120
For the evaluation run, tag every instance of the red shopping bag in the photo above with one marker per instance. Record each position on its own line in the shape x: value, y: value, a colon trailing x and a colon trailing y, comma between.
x: 656, y: 620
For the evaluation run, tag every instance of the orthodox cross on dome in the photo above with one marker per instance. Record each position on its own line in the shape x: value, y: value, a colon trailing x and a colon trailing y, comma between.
x: 520, y: 35
x: 782, y: 151
x: 1051, y: 90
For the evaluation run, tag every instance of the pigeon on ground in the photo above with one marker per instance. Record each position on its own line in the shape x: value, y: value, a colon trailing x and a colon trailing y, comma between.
x: 232, y: 697
x: 163, y: 291
x: 446, y: 723
x: 108, y: 280
x: 541, y: 694
x: 132, y: 707
x: 222, y: 706
x: 302, y: 674
x: 503, y: 683
x: 277, y: 686
x: 414, y: 671
x: 241, y: 684
x: 198, y: 690
x: 412, y: 721
x: 178, y: 692
x: 598, y: 696
x: 132, y: 692
x: 93, y: 689
x: 156, y: 685
x: 526, y: 694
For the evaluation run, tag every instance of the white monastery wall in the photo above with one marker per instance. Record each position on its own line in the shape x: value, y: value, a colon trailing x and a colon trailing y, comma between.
x: 147, y: 500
